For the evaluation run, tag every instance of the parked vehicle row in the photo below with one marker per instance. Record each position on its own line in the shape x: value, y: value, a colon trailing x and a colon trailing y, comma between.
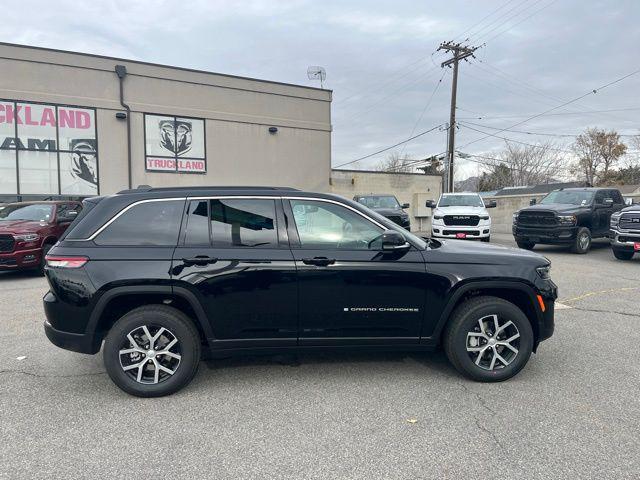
x: 160, y: 274
x: 29, y: 229
x: 461, y: 215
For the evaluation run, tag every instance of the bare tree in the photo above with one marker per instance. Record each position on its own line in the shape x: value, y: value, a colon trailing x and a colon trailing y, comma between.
x: 531, y: 165
x: 396, y: 163
x: 597, y: 151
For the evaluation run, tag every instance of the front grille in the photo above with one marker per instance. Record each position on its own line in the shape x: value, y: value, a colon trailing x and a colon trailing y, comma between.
x: 537, y: 218
x: 6, y: 243
x: 462, y: 220
x: 472, y: 233
x: 630, y: 221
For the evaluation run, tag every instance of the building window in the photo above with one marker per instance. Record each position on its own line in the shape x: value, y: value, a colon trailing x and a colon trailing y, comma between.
x: 47, y: 149
x: 174, y: 144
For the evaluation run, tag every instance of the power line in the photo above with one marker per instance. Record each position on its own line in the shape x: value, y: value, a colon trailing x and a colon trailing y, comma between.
x: 389, y: 148
x: 497, y: 117
x: 512, y: 140
x: 544, y: 134
x: 519, y: 22
x: 592, y: 92
x: 498, y: 19
x: 483, y: 19
x: 415, y: 125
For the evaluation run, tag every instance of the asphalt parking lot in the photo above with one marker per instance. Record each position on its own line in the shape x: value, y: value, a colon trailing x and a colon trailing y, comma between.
x: 574, y: 412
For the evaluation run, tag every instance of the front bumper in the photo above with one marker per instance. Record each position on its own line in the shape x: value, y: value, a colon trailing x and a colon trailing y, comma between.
x: 440, y: 230
x: 20, y: 259
x: 551, y: 235
x: 624, y: 239
x: 546, y: 321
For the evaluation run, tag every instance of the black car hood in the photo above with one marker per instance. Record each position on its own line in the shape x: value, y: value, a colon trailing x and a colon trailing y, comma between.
x: 556, y: 207
x: 465, y: 251
x: 389, y: 211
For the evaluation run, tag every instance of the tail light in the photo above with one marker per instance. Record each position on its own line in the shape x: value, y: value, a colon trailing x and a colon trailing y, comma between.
x: 55, y: 261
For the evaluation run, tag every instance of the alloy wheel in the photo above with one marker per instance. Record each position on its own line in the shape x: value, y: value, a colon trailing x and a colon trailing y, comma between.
x: 493, y: 343
x: 584, y: 241
x: 150, y: 354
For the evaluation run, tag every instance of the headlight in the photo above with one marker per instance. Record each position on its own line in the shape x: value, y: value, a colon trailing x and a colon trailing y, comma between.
x: 544, y: 272
x: 484, y: 217
x: 615, y: 219
x: 567, y: 219
x: 27, y: 237
x: 515, y: 217
x: 438, y: 217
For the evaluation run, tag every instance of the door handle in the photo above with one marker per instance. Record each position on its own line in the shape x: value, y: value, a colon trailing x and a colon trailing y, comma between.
x: 319, y: 261
x: 199, y: 260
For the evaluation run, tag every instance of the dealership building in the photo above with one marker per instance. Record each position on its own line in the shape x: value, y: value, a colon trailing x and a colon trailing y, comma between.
x: 75, y: 125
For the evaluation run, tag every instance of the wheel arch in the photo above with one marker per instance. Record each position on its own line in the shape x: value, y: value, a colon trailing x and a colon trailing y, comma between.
x: 117, y: 301
x: 520, y: 294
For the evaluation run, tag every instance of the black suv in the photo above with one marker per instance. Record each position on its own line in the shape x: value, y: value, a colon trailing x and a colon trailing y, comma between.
x: 625, y: 232
x: 387, y: 206
x: 569, y: 216
x: 162, y: 274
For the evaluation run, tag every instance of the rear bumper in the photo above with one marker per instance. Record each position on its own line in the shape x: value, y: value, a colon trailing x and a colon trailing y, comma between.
x: 76, y: 342
x: 20, y: 259
x: 552, y: 235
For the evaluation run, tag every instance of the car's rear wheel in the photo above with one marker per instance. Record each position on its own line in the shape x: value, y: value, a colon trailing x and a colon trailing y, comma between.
x: 488, y: 339
x: 152, y: 351
x: 525, y: 245
x: 623, y: 254
x: 582, y: 243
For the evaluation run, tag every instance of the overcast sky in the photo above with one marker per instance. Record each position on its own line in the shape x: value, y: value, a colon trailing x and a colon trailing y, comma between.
x: 380, y: 60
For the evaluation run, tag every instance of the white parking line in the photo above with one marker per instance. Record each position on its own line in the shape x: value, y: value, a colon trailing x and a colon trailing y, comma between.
x: 561, y: 306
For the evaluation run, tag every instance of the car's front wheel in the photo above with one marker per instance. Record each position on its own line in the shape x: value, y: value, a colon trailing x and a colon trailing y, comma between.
x: 151, y: 351
x: 582, y: 242
x: 488, y: 339
x: 525, y: 245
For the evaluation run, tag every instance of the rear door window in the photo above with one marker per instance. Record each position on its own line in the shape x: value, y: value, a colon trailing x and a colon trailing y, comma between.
x: 153, y: 223
x: 243, y: 223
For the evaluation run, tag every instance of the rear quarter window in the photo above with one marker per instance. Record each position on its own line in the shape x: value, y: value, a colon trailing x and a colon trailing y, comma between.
x: 153, y: 223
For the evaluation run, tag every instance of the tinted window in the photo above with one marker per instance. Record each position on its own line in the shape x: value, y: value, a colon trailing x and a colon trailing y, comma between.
x: 460, y: 201
x: 197, y: 228
x: 151, y: 223
x: 327, y: 225
x: 379, y: 201
x: 617, y: 197
x: 568, y: 197
x: 243, y: 223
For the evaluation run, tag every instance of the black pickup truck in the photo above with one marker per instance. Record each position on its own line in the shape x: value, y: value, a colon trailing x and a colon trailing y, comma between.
x: 570, y: 216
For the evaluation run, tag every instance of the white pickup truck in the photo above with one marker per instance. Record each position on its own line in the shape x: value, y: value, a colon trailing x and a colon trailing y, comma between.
x: 461, y: 215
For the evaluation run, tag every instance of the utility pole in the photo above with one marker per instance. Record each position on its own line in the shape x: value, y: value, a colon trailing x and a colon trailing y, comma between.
x: 460, y: 52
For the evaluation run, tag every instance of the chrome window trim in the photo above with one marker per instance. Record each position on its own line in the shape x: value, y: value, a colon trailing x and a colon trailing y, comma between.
x: 122, y: 212
x: 213, y: 197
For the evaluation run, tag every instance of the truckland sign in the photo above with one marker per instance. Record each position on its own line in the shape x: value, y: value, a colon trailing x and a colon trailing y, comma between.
x: 47, y: 149
x: 174, y: 144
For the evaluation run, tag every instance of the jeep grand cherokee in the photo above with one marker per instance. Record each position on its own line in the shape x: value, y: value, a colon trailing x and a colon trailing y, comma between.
x: 159, y: 274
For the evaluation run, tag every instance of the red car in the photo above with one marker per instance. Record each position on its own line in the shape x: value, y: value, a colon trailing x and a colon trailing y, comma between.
x: 29, y: 229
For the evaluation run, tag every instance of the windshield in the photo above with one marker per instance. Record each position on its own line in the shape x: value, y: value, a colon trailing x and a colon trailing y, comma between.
x: 569, y: 197
x: 34, y: 212
x: 379, y: 201
x: 460, y: 201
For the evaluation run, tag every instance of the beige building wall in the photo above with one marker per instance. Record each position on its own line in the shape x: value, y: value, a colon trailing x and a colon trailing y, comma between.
x: 237, y: 111
x: 412, y: 188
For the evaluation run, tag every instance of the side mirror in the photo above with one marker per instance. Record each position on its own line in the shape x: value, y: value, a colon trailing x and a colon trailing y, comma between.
x: 394, y: 241
x: 430, y: 204
x: 404, y: 205
x: 491, y: 204
x: 533, y: 201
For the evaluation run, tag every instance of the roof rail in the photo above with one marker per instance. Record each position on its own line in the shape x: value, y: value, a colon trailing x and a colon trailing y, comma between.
x: 147, y: 188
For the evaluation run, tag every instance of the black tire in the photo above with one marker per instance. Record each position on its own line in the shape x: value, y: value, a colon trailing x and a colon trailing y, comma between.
x: 39, y: 270
x: 465, y: 319
x: 623, y: 254
x: 486, y: 239
x: 525, y: 245
x: 153, y: 316
x: 582, y: 242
